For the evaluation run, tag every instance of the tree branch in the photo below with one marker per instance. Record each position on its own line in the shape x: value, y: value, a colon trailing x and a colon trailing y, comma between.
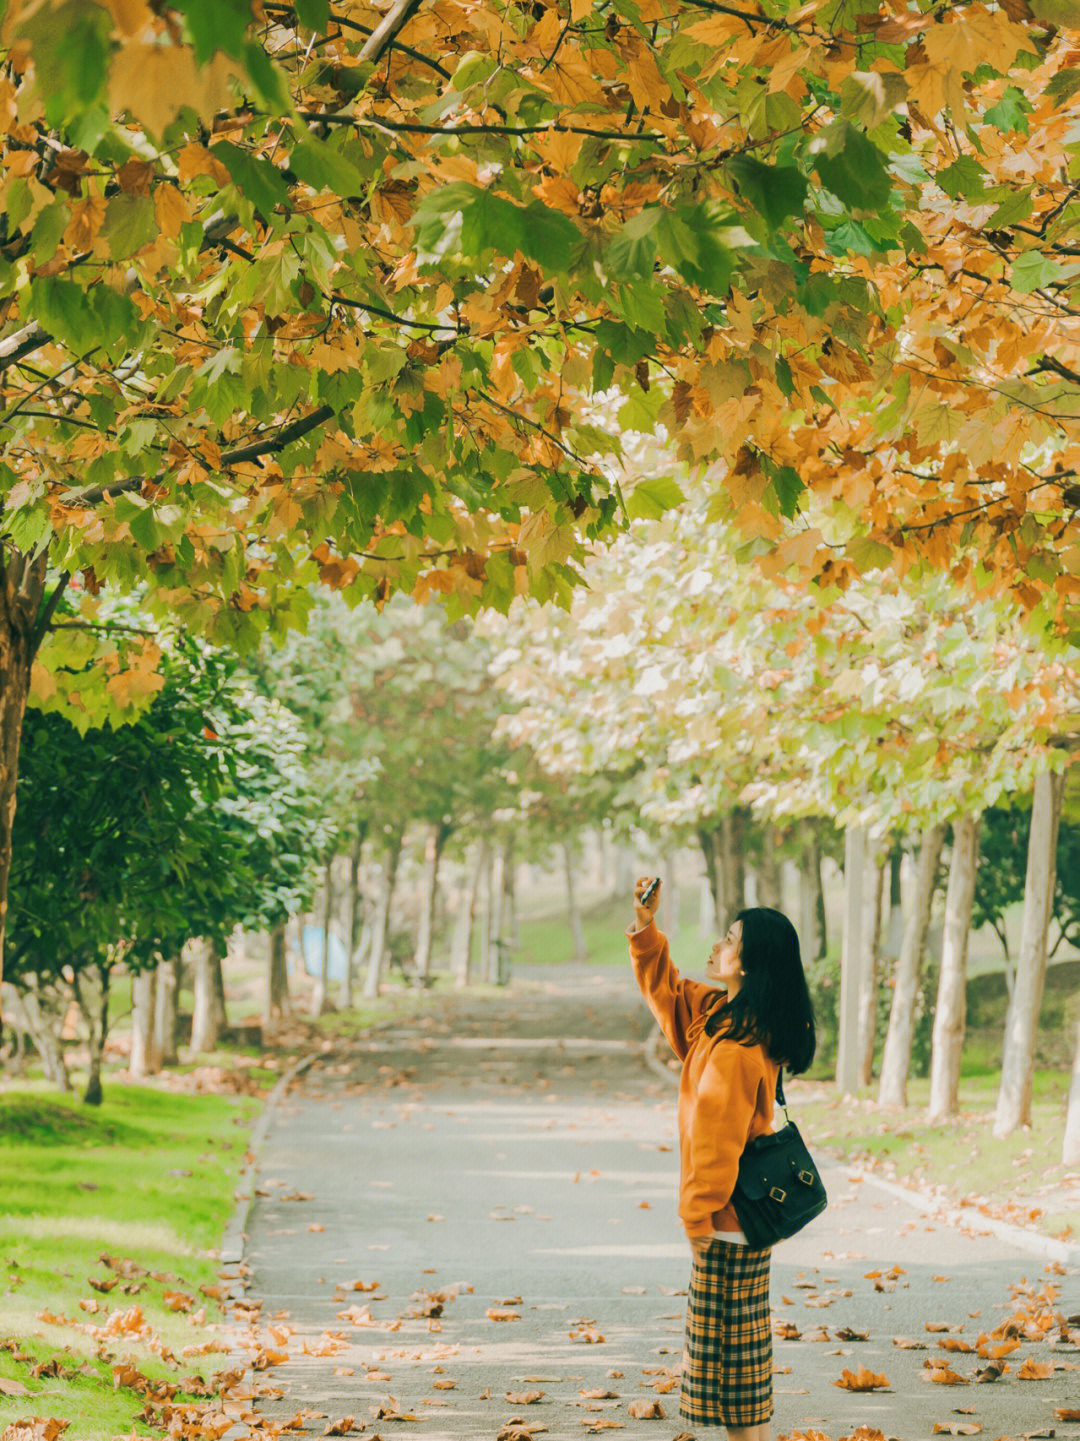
x: 45, y: 618
x: 22, y: 342
x: 277, y: 442
x: 387, y: 28
x: 417, y: 129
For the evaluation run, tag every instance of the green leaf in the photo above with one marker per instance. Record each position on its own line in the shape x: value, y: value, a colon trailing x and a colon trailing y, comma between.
x: 649, y: 499
x: 867, y: 554
x: 1033, y: 270
x: 625, y: 345
x: 314, y: 14
x: 1063, y: 86
x: 1063, y: 13
x: 80, y: 319
x: 871, y: 97
x: 1011, y: 112
x: 548, y: 236
x: 129, y: 224
x: 216, y: 25
x: 1012, y: 211
x: 325, y: 168
x: 963, y: 179
x: 47, y: 230
x: 774, y: 191
x: 631, y: 252
x: 258, y: 180
x: 786, y: 487
x: 853, y: 168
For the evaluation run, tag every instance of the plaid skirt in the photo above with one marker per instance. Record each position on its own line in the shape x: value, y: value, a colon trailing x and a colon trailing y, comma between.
x: 727, y: 1359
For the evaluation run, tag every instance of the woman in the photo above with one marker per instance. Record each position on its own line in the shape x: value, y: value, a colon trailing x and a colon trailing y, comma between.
x: 731, y: 1046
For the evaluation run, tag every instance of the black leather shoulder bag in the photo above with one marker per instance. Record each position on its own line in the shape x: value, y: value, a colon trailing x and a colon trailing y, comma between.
x: 779, y: 1189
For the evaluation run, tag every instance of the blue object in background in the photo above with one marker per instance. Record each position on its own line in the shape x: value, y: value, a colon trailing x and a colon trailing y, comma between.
x: 312, y: 943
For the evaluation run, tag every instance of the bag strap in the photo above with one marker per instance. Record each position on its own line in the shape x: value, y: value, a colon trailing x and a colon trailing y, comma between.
x: 780, y: 1092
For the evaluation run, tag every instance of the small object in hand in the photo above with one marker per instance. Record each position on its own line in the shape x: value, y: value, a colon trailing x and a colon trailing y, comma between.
x: 649, y: 891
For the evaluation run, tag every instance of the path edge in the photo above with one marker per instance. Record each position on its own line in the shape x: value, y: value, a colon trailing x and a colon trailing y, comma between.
x: 231, y: 1249
x: 1049, y: 1248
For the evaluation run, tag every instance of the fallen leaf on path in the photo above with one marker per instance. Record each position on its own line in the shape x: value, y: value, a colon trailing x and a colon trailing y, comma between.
x: 946, y: 1376
x: 821, y: 1334
x: 315, y: 1226
x: 518, y: 1430
x: 846, y: 1333
x: 1066, y: 1413
x: 865, y: 1433
x: 36, y: 1428
x: 942, y: 1326
x: 587, y: 1335
x: 861, y: 1380
x: 344, y: 1370
x: 495, y: 1313
x: 362, y: 1286
x: 956, y: 1428
x: 941, y: 1278
x: 523, y: 1398
x: 1033, y: 1370
x: 995, y: 1353
x: 347, y: 1424
x: 643, y: 1410
x: 104, y: 1285
x: 13, y: 1388
x: 597, y: 1393
x: 951, y: 1343
x: 905, y: 1343
x: 594, y: 1424
x: 672, y: 1290
x: 992, y: 1371
x: 633, y: 1290
x: 436, y: 1218
x: 444, y: 1385
x: 390, y: 1411
x: 787, y: 1330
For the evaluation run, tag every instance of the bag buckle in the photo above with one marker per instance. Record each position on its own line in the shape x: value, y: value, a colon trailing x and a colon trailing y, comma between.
x: 776, y: 1194
x: 806, y: 1177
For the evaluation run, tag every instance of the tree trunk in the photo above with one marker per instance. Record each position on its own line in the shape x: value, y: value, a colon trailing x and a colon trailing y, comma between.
x: 870, y: 972
x: 437, y: 835
x: 851, y: 958
x: 165, y: 1007
x: 573, y: 908
x: 950, y: 1011
x: 495, y: 897
x: 624, y: 871
x: 732, y: 896
x: 322, y: 982
x: 22, y: 588
x: 896, y: 1061
x: 463, y: 922
x: 277, y: 976
x: 768, y: 876
x: 483, y: 911
x: 381, y: 922
x: 208, y: 1013
x: 45, y: 1004
x: 709, y: 841
x: 1070, y: 1147
x: 507, y: 939
x: 145, y: 1058
x: 1022, y: 1019
x: 672, y: 901
x: 92, y: 988
x: 812, y: 900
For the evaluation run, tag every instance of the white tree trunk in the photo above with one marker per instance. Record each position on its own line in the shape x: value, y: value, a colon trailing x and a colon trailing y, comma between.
x: 166, y: 1003
x: 573, y: 907
x: 672, y: 902
x: 322, y: 980
x: 811, y: 903
x: 145, y: 1058
x: 277, y: 976
x: 950, y: 1011
x: 706, y: 909
x: 870, y: 972
x: 208, y: 1012
x: 463, y: 921
x: 436, y: 838
x: 896, y: 1060
x: 1022, y: 1019
x: 851, y: 958
x: 380, y: 924
x: 1070, y: 1148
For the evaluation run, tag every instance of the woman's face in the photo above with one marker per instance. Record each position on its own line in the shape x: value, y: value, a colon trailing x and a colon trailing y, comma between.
x: 724, y: 963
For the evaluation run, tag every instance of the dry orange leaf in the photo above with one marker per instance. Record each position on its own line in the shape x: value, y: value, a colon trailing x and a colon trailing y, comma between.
x: 343, y: 1427
x: 952, y: 1343
x: 1067, y: 1413
x: 1033, y: 1370
x: 643, y: 1410
x: 13, y: 1388
x: 497, y: 1313
x: 956, y: 1428
x: 861, y: 1380
x: 946, y: 1376
x: 597, y: 1393
x: 587, y: 1336
x: 523, y: 1398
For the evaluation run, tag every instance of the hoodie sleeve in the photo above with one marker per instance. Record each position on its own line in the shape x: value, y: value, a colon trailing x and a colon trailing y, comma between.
x: 719, y: 1130
x: 676, y: 1003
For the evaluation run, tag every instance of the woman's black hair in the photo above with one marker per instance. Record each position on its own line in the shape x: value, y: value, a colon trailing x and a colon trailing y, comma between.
x: 773, y: 1004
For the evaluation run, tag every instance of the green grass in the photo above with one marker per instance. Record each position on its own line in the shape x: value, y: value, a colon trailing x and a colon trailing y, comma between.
x: 1016, y: 1177
x: 76, y: 1183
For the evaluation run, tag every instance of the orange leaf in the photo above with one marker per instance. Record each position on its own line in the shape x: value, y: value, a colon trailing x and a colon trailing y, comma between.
x: 861, y: 1380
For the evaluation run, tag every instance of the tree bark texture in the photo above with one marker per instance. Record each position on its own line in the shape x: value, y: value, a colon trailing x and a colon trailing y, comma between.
x: 22, y: 588
x: 145, y: 1058
x: 870, y: 974
x: 45, y: 1003
x: 951, y: 1008
x: 322, y: 981
x: 856, y: 864
x: 380, y: 924
x: 768, y: 875
x: 166, y: 1003
x: 208, y: 1013
x: 1070, y: 1146
x: 811, y: 900
x: 466, y: 910
x: 896, y: 1060
x: 732, y: 866
x: 92, y: 989
x: 1022, y: 1018
x: 573, y: 906
x: 709, y: 841
x: 438, y: 833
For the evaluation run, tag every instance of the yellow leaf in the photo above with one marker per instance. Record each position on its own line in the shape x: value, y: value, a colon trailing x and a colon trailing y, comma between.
x: 197, y: 160
x: 42, y: 682
x: 87, y: 217
x: 171, y: 210
x: 974, y: 36
x: 131, y: 16
x: 155, y: 82
x: 580, y: 9
x: 933, y: 87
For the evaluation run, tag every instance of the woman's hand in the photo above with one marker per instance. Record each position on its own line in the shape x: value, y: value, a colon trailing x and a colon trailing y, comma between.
x: 645, y: 914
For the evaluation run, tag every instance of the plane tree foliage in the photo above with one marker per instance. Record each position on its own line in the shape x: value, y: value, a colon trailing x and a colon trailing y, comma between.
x: 295, y: 291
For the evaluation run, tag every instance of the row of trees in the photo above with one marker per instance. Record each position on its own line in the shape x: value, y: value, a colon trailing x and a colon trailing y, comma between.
x: 894, y: 710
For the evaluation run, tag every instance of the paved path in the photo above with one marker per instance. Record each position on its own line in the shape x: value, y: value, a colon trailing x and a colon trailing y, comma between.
x: 539, y: 1178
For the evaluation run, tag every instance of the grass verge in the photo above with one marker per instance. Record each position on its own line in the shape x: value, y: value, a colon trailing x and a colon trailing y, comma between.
x: 1019, y: 1179
x: 147, y: 1179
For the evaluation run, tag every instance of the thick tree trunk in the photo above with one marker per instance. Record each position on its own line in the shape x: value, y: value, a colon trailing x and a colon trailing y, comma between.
x: 145, y: 1058
x: 950, y: 1011
x: 573, y: 907
x: 92, y: 989
x: 208, y: 1018
x: 1070, y: 1147
x: 483, y: 916
x: 896, y: 1061
x: 277, y: 976
x: 506, y: 939
x: 438, y: 834
x: 359, y: 931
x: 871, y: 971
x: 709, y: 841
x: 45, y: 1003
x: 768, y: 875
x: 381, y: 922
x: 732, y: 866
x: 852, y: 958
x: 22, y: 588
x: 463, y: 922
x: 322, y: 982
x: 811, y: 900
x: 166, y: 1001
x: 1022, y: 1018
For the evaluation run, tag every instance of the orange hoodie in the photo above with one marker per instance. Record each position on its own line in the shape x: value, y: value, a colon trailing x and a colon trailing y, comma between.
x: 726, y: 1089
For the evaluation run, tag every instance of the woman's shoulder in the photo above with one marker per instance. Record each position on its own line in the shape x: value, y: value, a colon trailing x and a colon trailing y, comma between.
x: 745, y: 1056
